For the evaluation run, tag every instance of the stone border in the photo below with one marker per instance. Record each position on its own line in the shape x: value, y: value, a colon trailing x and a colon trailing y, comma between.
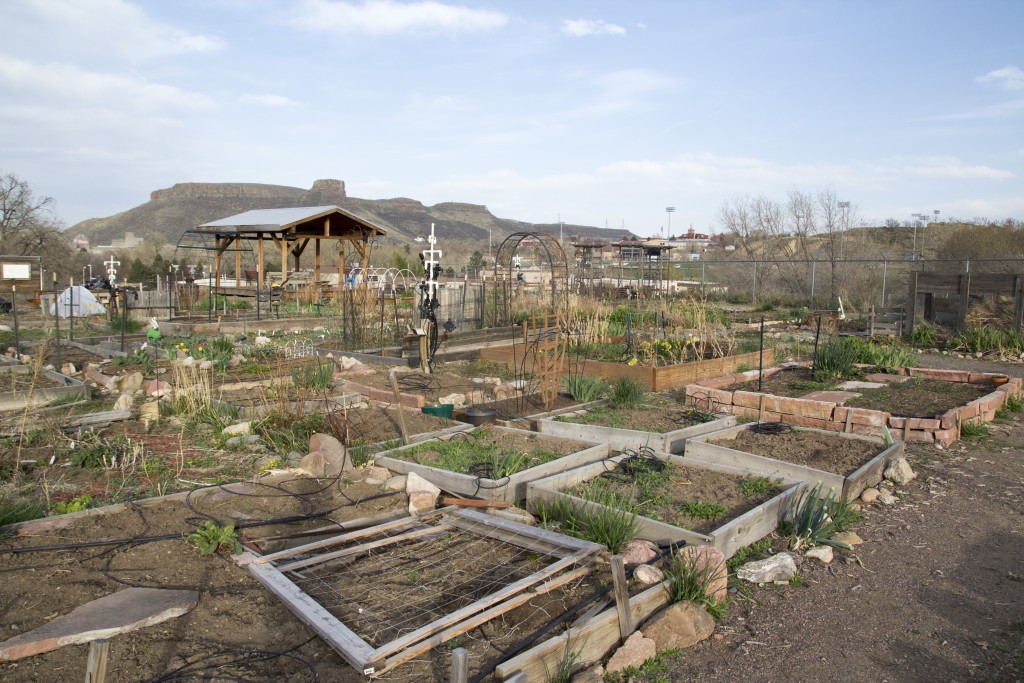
x: 730, y: 537
x: 16, y: 400
x: 846, y: 487
x: 827, y: 415
x: 510, y: 489
x: 621, y: 439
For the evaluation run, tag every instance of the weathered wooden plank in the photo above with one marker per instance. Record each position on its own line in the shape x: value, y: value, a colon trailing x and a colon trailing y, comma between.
x: 870, y: 473
x: 485, y: 520
x: 621, y: 588
x: 354, y: 649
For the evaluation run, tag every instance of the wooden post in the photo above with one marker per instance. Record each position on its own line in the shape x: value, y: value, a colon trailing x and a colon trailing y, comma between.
x: 1018, y: 303
x: 964, y: 290
x: 284, y: 259
x: 96, y: 666
x: 316, y: 262
x: 460, y: 665
x: 216, y: 261
x: 912, y: 304
x: 622, y: 597
x: 238, y: 264
x: 871, y: 322
x: 398, y: 407
x: 259, y: 261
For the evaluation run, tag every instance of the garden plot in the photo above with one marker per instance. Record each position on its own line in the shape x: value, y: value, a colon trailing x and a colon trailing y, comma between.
x: 492, y: 463
x: 845, y: 463
x: 21, y: 386
x: 676, y: 500
x: 659, y: 423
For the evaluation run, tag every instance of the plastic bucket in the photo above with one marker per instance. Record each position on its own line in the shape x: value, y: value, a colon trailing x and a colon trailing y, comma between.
x: 441, y: 410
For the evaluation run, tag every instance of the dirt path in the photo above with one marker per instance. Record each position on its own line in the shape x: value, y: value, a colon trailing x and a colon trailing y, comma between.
x: 940, y: 595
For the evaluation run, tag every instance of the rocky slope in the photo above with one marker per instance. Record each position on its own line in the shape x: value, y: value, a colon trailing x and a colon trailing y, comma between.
x: 173, y: 210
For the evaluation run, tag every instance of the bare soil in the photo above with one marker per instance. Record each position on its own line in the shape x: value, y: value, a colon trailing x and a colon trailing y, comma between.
x: 812, y: 449
x: 239, y: 631
x: 23, y: 381
x: 503, y: 441
x: 657, y: 416
x: 912, y: 398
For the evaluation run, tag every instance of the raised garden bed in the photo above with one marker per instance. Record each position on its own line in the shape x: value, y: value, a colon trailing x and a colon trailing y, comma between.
x: 663, y: 425
x: 835, y: 411
x: 846, y: 463
x: 693, y: 488
x: 17, y: 391
x: 464, y: 463
x: 653, y: 379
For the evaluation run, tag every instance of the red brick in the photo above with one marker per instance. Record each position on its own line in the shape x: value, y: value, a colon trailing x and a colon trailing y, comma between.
x: 835, y: 426
x: 944, y: 375
x: 948, y: 419
x: 746, y: 399
x: 993, y: 401
x: 821, y: 410
x: 867, y: 430
x: 988, y: 415
x: 718, y: 382
x: 983, y: 377
x: 897, y: 422
x: 718, y: 397
x: 861, y: 416
x: 945, y: 436
x: 807, y: 421
x: 742, y: 411
x: 972, y: 409
x: 922, y: 423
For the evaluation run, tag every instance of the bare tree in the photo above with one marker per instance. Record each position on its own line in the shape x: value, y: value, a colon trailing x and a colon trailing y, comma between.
x: 27, y: 223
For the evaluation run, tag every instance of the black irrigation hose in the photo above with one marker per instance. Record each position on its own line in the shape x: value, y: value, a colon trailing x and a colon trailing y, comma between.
x: 201, y: 670
x: 771, y: 428
x: 635, y: 463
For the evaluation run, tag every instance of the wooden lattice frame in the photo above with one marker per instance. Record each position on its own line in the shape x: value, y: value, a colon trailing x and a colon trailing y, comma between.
x: 572, y: 559
x: 547, y: 354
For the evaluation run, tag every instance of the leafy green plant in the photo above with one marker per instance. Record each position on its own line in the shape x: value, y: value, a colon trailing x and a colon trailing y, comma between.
x: 608, y: 524
x: 316, y: 375
x: 567, y: 664
x: 211, y: 538
x: 626, y: 392
x: 835, y: 359
x: 584, y: 389
x: 757, y: 486
x: 810, y: 519
x: 1014, y: 404
x: 699, y: 509
x: 925, y: 335
x: 750, y: 552
x: 78, y: 504
x: 137, y: 357
x: 688, y: 577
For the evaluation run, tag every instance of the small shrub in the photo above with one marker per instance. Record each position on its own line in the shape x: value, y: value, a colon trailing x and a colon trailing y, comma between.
x: 137, y: 357
x: 585, y: 389
x: 314, y: 376
x: 757, y: 486
x: 974, y: 430
x: 626, y: 392
x: 210, y: 539
x: 131, y: 326
x: 699, y: 509
x: 835, y: 359
x: 811, y: 520
x: 610, y: 525
x: 1014, y: 404
x: 925, y: 335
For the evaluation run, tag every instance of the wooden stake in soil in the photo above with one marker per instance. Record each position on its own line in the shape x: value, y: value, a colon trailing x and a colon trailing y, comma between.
x: 398, y: 407
x: 622, y: 596
x: 96, y: 667
x: 460, y: 665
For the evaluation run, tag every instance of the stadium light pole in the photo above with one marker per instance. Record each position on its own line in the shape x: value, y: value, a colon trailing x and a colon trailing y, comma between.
x: 845, y: 206
x: 669, y: 210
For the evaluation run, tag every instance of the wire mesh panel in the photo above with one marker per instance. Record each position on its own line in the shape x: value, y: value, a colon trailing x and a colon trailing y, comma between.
x: 384, y: 595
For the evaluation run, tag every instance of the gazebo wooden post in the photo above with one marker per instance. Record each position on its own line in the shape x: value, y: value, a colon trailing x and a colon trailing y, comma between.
x: 216, y: 260
x: 316, y: 262
x: 341, y: 265
x: 238, y: 263
x: 284, y: 258
x: 259, y: 260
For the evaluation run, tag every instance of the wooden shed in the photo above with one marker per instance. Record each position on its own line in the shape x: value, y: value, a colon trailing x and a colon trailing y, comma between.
x: 945, y: 298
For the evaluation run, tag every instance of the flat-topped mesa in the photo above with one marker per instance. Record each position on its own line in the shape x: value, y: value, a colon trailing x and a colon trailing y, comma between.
x: 248, y: 190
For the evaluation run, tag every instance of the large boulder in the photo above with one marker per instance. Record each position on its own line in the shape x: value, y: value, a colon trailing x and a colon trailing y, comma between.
x: 634, y: 652
x: 335, y: 454
x: 681, y: 625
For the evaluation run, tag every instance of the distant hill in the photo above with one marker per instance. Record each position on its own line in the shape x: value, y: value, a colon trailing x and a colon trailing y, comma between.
x: 171, y: 211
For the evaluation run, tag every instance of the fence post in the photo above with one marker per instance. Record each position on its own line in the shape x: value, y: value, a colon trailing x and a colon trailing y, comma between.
x: 871, y: 322
x: 753, y: 291
x: 885, y: 271
x: 814, y: 269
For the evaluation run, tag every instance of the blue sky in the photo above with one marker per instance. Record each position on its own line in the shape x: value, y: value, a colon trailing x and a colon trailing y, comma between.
x: 597, y: 112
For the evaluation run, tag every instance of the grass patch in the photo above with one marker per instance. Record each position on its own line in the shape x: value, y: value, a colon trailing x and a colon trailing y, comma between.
x: 611, y: 526
x: 626, y: 392
x: 688, y: 577
x: 758, y: 486
x: 584, y: 389
x: 14, y: 510
x: 475, y: 455
x: 750, y: 552
x: 974, y: 430
x: 699, y: 509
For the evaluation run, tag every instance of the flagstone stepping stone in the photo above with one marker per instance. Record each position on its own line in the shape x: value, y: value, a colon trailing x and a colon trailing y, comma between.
x: 120, y: 612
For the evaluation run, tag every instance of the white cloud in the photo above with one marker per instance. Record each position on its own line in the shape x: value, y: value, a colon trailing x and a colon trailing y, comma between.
x: 579, y: 28
x: 266, y: 100
x: 380, y: 17
x: 67, y: 86
x: 1010, y: 77
x: 99, y: 27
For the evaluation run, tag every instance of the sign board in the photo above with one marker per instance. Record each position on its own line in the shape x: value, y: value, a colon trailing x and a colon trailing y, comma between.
x: 15, y: 271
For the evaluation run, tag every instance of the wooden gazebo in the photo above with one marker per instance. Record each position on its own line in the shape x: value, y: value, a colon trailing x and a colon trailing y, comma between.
x: 290, y: 231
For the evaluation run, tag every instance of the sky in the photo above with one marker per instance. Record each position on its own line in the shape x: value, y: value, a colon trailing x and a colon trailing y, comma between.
x: 590, y: 112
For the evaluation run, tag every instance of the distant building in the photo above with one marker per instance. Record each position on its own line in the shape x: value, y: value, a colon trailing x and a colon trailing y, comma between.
x: 130, y: 241
x: 81, y: 242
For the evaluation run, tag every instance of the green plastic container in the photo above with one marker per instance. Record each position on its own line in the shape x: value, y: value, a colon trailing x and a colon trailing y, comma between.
x: 441, y: 410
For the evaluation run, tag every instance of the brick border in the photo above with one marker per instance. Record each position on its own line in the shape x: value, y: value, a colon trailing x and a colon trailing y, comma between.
x: 943, y: 430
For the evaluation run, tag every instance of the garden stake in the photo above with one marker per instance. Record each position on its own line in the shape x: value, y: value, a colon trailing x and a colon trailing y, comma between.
x: 96, y: 666
x: 71, y: 308
x: 760, y: 357
x: 56, y: 321
x: 814, y: 358
x: 124, y: 315
x: 14, y: 312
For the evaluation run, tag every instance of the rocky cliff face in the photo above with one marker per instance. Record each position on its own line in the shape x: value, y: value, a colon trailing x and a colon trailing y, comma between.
x: 226, y: 191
